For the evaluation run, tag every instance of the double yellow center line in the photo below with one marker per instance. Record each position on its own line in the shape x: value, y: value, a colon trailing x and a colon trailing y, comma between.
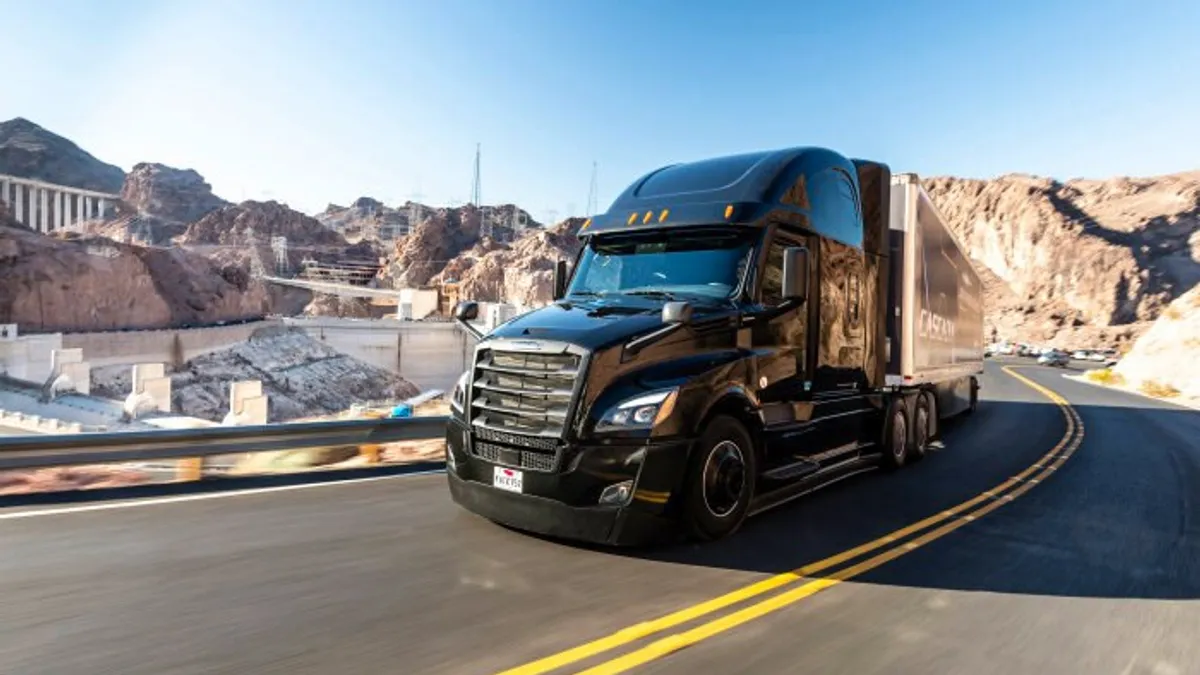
x: 891, y: 544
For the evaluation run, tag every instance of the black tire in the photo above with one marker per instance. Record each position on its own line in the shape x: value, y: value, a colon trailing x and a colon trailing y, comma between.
x: 921, y: 428
x: 724, y: 463
x: 895, y: 435
x: 974, y: 404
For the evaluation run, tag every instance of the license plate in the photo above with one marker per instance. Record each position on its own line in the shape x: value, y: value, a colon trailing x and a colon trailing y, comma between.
x: 508, y: 479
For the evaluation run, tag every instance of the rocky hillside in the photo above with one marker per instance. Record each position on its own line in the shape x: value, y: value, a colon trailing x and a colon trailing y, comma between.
x: 371, y: 219
x: 448, y: 241
x: 367, y: 218
x: 90, y: 284
x: 241, y: 235
x: 301, y: 377
x: 180, y: 195
x: 1166, y: 360
x: 1080, y: 260
x: 521, y: 273
x: 29, y: 151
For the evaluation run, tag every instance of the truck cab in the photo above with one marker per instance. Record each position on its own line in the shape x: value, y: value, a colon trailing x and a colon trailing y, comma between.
x: 721, y: 346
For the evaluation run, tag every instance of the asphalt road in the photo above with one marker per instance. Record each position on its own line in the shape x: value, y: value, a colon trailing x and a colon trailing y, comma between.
x: 1096, y: 569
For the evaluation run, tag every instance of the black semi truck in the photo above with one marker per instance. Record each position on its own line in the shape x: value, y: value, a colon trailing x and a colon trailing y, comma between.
x: 734, y: 333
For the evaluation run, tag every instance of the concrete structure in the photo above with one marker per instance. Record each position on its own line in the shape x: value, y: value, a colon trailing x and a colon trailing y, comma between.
x: 46, y: 207
x: 420, y: 303
x: 431, y: 355
x: 151, y: 389
x: 111, y: 348
x: 247, y: 403
x: 27, y: 357
x: 331, y: 288
x: 70, y: 372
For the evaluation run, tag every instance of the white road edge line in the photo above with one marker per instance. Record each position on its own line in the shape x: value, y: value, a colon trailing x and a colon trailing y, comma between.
x: 200, y: 497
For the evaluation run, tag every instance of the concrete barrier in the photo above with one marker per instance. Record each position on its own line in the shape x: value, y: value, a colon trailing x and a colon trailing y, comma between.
x: 38, y: 424
x: 172, y: 346
x: 431, y: 355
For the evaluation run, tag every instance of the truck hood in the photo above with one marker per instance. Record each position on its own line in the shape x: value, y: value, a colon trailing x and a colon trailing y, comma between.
x: 592, y: 325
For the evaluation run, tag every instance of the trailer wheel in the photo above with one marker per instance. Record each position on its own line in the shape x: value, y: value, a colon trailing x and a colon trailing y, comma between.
x: 921, y: 426
x: 720, y: 482
x: 895, y: 435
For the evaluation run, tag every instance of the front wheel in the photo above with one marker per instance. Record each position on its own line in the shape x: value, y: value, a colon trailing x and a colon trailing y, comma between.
x: 721, y: 479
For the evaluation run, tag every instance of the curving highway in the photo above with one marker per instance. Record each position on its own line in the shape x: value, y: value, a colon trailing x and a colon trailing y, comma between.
x: 1088, y: 561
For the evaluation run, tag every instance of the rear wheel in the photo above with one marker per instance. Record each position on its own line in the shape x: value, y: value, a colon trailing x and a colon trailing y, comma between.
x: 721, y: 480
x: 922, y: 426
x: 895, y: 435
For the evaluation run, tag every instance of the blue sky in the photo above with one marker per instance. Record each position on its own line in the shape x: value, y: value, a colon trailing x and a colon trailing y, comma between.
x: 318, y: 101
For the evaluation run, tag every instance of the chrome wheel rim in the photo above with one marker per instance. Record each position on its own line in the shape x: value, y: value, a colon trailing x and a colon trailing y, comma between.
x: 922, y: 429
x: 899, y: 436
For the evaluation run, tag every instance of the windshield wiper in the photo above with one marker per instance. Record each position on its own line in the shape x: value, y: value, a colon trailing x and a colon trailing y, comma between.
x: 652, y: 294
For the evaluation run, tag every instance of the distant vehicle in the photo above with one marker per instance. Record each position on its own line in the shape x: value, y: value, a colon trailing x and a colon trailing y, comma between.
x: 1054, y: 359
x: 1080, y: 355
x: 734, y: 334
x: 1098, y: 356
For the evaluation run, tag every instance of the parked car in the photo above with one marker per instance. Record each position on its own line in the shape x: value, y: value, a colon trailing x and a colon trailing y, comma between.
x: 1055, y: 359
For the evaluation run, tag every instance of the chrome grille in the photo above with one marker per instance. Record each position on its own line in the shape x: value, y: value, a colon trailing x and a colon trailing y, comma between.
x: 528, y: 393
x: 521, y: 402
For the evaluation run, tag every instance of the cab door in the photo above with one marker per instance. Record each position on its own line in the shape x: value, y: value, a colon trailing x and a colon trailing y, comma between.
x: 796, y: 435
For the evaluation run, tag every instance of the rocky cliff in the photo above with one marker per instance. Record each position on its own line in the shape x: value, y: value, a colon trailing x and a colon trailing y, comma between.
x: 90, y: 284
x: 179, y: 195
x: 241, y: 235
x: 157, y: 204
x: 1082, y: 258
x: 369, y: 219
x: 1166, y: 360
x: 29, y: 151
x: 521, y: 273
x: 449, y: 240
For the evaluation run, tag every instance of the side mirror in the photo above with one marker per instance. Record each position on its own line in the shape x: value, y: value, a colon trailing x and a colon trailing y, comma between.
x: 466, y: 311
x: 795, y: 273
x: 677, y: 313
x: 560, y: 279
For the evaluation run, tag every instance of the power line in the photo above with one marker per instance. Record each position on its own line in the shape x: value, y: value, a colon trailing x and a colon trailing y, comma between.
x: 591, y: 202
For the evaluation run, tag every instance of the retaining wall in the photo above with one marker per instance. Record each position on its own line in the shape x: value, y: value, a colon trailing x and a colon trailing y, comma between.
x: 112, y: 348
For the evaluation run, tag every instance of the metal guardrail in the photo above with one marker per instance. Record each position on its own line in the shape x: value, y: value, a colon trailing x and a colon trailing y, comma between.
x: 38, y: 451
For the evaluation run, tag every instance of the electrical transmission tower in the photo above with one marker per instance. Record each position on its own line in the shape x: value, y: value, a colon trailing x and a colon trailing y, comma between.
x: 279, y: 245
x: 485, y: 223
x: 475, y: 184
x: 415, y: 211
x: 591, y: 202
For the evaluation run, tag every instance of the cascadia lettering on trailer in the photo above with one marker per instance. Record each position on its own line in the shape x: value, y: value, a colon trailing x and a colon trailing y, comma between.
x: 936, y: 327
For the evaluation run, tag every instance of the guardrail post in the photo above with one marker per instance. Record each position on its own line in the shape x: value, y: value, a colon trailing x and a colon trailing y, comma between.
x: 189, y: 469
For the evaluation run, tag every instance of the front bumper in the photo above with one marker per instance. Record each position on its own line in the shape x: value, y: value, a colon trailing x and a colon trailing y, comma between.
x: 565, y: 503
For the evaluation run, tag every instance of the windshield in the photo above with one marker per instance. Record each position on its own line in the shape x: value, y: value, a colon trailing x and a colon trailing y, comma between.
x: 706, y: 264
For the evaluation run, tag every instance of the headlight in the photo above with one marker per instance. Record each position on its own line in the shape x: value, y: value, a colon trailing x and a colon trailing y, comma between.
x: 458, y: 397
x: 644, y: 411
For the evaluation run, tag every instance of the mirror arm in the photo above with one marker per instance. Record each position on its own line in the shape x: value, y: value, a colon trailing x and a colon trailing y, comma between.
x: 471, y: 329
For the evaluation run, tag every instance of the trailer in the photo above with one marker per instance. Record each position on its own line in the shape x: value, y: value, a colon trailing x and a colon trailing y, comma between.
x: 935, y: 303
x: 735, y: 333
